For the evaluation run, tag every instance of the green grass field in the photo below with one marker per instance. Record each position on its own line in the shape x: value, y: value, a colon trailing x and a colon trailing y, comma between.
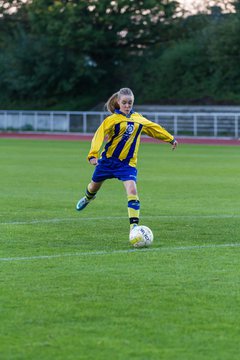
x: 71, y: 286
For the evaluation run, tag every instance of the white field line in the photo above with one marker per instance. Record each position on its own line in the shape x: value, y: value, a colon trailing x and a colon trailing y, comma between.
x: 113, y: 252
x: 103, y: 218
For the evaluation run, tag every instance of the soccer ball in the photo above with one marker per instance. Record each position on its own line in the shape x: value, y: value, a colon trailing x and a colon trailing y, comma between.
x: 141, y: 236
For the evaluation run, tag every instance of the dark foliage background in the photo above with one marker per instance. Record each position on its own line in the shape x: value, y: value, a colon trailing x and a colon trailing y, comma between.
x: 68, y: 54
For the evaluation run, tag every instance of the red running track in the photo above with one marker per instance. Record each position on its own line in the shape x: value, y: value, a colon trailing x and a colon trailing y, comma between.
x: 83, y: 137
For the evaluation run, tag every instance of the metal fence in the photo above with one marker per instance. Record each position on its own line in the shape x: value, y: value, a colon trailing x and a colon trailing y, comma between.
x: 205, y: 124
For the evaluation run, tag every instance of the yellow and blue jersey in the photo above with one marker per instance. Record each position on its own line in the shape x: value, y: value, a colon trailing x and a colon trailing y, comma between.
x: 123, y: 133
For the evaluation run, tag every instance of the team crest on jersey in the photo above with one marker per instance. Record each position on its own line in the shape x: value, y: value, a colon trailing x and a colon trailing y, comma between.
x: 129, y: 129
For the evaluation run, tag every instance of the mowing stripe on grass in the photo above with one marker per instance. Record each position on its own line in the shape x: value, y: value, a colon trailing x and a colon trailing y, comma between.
x: 103, y: 218
x: 113, y: 252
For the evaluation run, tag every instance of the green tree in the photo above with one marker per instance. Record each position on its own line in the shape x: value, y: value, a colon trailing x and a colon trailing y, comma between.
x: 179, y: 76
x: 224, y: 51
x: 66, y: 48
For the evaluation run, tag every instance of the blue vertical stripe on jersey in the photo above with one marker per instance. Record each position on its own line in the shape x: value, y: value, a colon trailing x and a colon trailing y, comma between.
x: 116, y: 132
x: 132, y: 148
x: 123, y: 140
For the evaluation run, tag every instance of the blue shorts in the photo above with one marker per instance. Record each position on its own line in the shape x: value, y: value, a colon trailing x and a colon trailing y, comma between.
x: 114, y: 168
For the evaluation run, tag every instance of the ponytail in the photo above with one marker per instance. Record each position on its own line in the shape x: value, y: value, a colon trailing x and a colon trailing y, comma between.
x: 112, y: 103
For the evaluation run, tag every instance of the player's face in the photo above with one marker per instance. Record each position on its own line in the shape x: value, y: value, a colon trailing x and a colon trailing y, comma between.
x: 125, y: 103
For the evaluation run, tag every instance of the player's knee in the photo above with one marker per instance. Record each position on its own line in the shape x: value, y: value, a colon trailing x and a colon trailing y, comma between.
x: 94, y: 187
x: 131, y: 188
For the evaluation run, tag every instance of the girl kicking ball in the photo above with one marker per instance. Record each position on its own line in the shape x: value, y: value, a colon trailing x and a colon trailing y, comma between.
x: 119, y: 157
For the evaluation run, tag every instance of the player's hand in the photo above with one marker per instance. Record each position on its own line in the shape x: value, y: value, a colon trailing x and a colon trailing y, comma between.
x: 174, y: 144
x: 93, y: 161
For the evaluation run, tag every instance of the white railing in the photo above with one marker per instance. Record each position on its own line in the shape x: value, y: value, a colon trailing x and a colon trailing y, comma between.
x: 207, y: 124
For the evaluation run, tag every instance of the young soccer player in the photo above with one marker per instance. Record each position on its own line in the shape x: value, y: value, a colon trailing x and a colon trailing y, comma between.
x: 119, y: 157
